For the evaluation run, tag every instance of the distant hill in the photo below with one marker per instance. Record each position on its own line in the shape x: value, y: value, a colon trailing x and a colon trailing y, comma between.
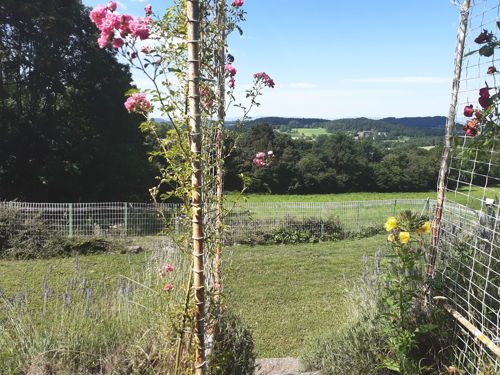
x: 435, y: 122
x: 406, y: 126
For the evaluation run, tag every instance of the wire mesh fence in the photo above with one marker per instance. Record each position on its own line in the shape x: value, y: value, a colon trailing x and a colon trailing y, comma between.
x: 243, y: 219
x: 469, y: 242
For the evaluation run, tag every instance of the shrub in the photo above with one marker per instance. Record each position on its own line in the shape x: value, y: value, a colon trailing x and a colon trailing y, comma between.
x: 10, y: 222
x: 233, y: 348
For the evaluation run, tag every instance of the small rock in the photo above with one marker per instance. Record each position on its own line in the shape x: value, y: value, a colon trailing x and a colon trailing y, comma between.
x: 134, y: 249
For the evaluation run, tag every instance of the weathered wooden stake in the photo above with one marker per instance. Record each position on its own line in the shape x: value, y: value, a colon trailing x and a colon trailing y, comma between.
x: 193, y: 46
x: 450, y: 128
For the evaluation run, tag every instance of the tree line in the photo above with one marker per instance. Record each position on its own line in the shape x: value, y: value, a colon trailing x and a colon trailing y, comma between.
x: 334, y: 163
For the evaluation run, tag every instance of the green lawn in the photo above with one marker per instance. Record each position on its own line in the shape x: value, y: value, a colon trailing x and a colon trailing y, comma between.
x: 286, y: 293
x: 342, y: 197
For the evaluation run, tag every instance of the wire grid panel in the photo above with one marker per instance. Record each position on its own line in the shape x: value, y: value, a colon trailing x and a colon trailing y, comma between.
x: 98, y: 219
x: 469, y: 242
x: 250, y: 218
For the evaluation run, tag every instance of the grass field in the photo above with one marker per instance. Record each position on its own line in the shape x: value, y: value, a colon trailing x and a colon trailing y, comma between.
x: 342, y: 197
x: 288, y: 293
x: 284, y: 293
x: 306, y: 132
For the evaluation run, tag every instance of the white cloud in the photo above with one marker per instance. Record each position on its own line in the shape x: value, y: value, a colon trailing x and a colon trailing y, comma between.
x: 122, y: 5
x: 418, y: 80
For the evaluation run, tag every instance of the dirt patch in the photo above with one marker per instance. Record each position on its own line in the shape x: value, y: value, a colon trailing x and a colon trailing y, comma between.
x: 280, y: 366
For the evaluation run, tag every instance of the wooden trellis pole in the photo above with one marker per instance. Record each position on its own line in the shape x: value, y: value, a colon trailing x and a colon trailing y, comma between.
x: 221, y: 114
x: 193, y: 46
x: 450, y: 128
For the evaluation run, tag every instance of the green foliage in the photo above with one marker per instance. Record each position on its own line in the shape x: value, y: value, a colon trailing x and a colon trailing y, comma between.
x: 331, y: 164
x: 233, y: 345
x: 32, y: 238
x: 66, y: 135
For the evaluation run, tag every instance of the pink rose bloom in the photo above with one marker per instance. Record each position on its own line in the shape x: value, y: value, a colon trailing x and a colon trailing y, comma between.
x: 264, y: 78
x: 468, y: 110
x: 260, y: 155
x: 148, y: 9
x: 124, y: 24
x: 117, y: 42
x: 478, y: 115
x: 470, y: 132
x: 146, y: 50
x: 168, y: 287
x: 111, y: 6
x: 137, y: 102
x: 133, y: 55
x: 108, y: 23
x: 230, y: 58
x: 168, y: 267
x: 98, y: 14
x: 230, y: 69
x: 231, y: 83
x: 103, y: 40
x: 491, y: 70
x: 238, y: 3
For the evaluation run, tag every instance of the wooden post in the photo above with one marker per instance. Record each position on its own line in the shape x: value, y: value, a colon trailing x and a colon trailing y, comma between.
x: 219, y: 147
x: 450, y: 128
x: 193, y: 45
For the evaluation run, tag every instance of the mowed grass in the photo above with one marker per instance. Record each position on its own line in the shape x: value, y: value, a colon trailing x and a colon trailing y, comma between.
x: 288, y: 293
x: 285, y: 293
x: 342, y: 197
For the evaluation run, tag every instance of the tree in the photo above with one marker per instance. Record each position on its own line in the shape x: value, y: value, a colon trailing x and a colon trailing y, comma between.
x: 64, y: 133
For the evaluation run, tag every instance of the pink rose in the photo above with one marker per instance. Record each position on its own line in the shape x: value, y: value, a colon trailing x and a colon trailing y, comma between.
x: 230, y: 69
x: 137, y: 102
x: 260, y: 155
x: 231, y: 83
x: 468, y: 110
x: 111, y: 6
x: 103, y: 40
x: 148, y: 9
x: 98, y: 14
x: 168, y: 287
x: 230, y: 58
x: 146, y: 50
x: 238, y: 3
x: 117, y: 42
x: 491, y: 70
x: 264, y: 78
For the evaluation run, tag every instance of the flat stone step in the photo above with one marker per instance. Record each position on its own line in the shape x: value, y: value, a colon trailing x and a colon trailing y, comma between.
x: 280, y: 366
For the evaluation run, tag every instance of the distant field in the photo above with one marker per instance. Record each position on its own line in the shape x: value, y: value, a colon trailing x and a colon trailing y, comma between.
x: 306, y: 132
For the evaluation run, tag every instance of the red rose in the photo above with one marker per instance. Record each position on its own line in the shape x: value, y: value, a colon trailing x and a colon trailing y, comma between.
x: 468, y: 111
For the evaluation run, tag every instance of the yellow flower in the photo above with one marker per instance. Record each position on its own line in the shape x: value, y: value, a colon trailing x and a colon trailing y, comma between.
x: 404, y: 237
x: 426, y: 228
x: 391, y: 223
x: 390, y: 238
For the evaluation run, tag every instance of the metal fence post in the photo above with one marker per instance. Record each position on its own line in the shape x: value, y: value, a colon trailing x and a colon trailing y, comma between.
x: 357, y: 214
x: 394, y: 208
x: 70, y: 221
x: 125, y: 218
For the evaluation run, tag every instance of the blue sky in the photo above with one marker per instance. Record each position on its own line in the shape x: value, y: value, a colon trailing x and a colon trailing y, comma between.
x: 335, y: 59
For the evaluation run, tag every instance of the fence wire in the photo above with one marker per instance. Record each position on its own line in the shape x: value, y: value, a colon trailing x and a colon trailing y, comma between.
x: 243, y: 220
x: 469, y: 241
